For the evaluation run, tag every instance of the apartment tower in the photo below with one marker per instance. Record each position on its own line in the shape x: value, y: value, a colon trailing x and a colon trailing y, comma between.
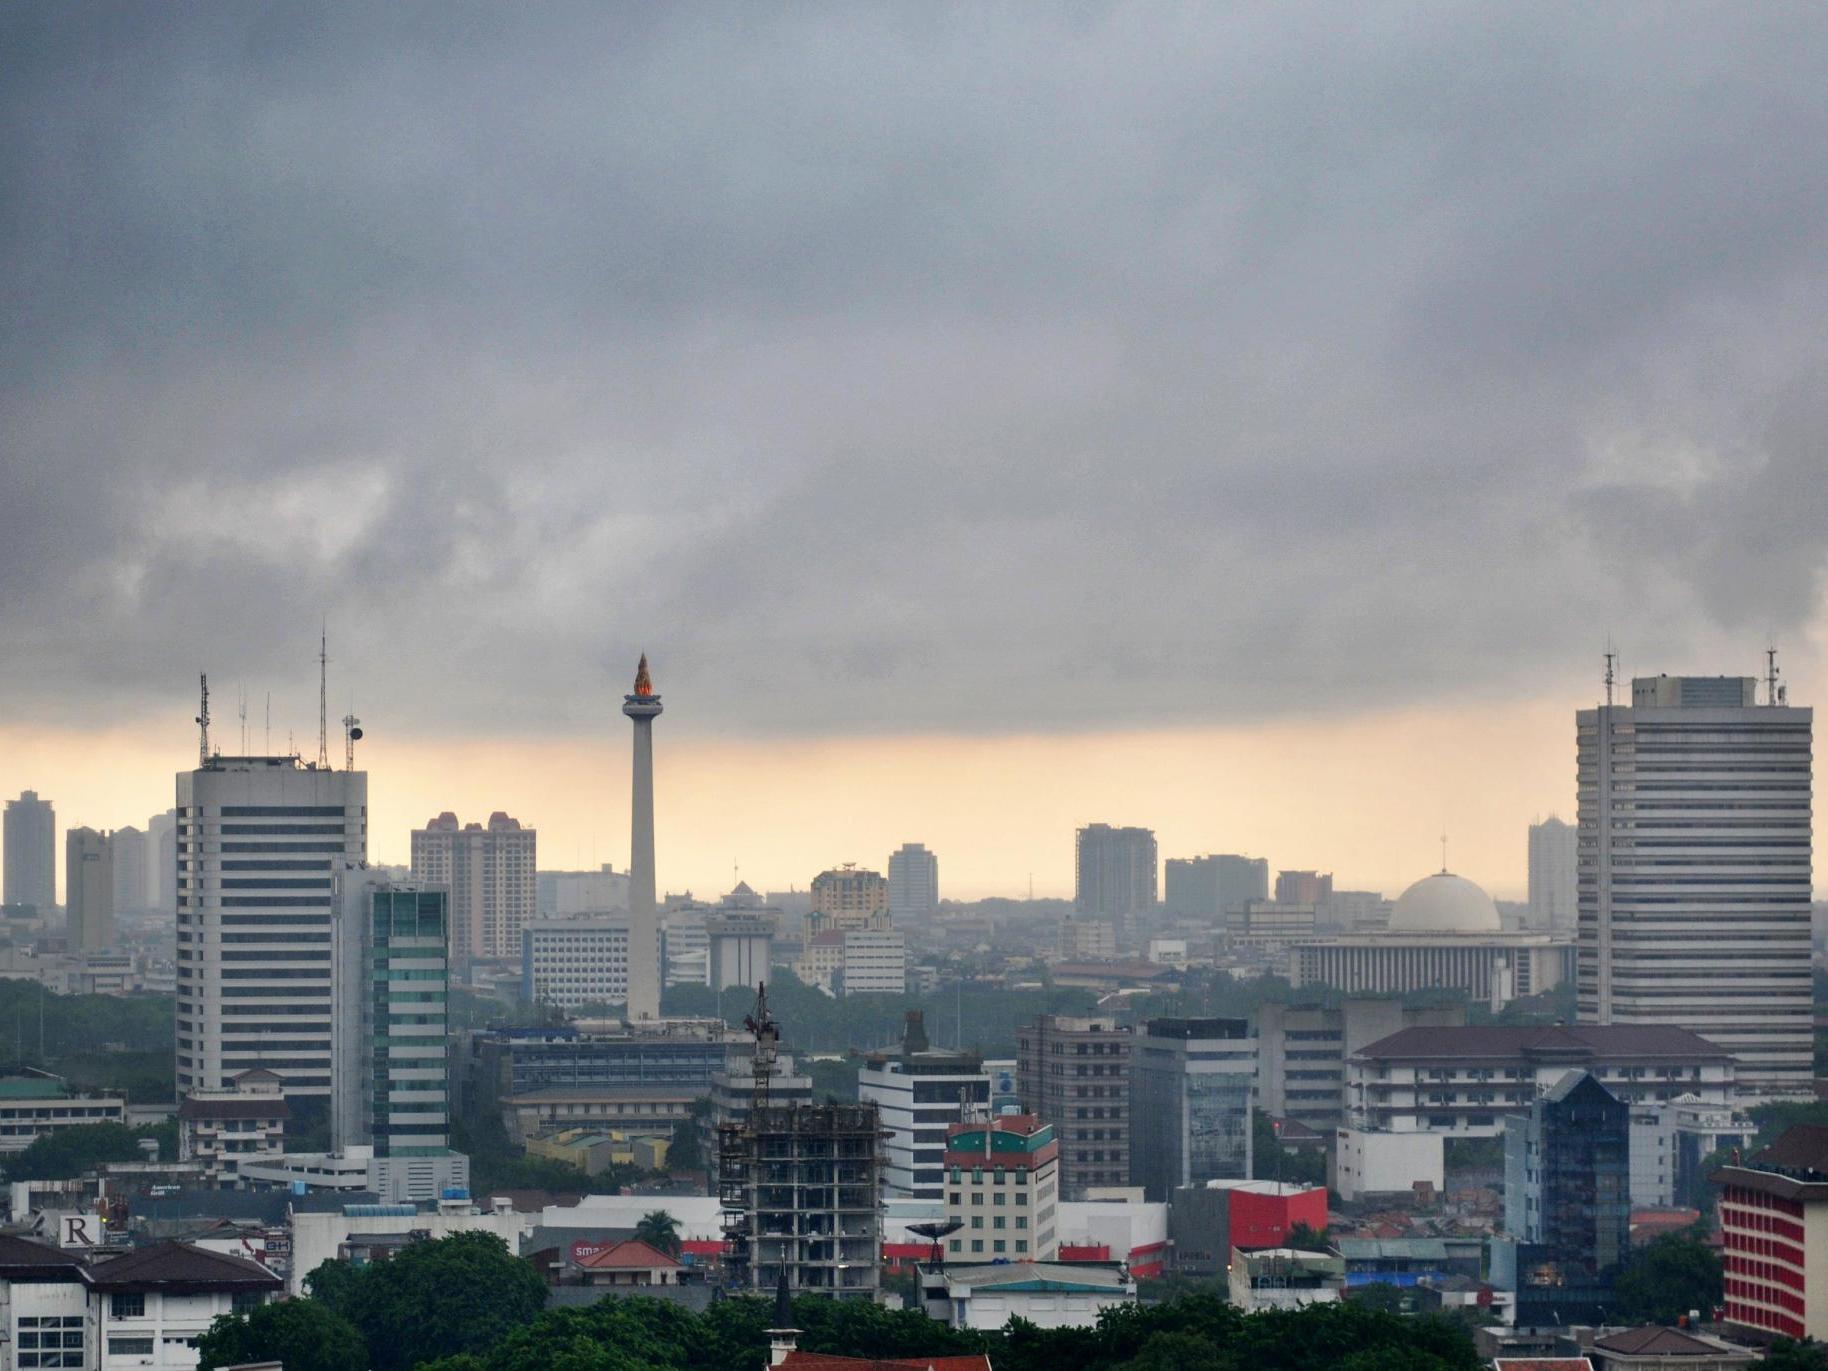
x: 88, y: 881
x: 913, y: 883
x: 30, y: 853
x: 1694, y: 871
x: 1115, y: 877
x: 1554, y: 876
x: 490, y: 873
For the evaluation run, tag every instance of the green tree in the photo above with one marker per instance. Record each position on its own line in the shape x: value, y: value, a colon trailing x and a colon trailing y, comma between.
x: 659, y: 1230
x: 1786, y: 1355
x: 1177, y: 1352
x: 1381, y: 1295
x: 302, y: 1335
x: 461, y: 1293
x: 1667, y: 1277
x: 70, y: 1152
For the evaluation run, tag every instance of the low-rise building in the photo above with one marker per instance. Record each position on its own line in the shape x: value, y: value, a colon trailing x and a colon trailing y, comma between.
x: 397, y: 1180
x: 35, y: 1102
x: 1773, y: 1228
x: 630, y: 1262
x: 223, y: 1128
x: 875, y: 962
x: 986, y: 1296
x: 1667, y: 1349
x: 1302, y: 1051
x: 319, y: 1236
x: 1369, y: 1162
x: 1285, y: 1278
x: 1207, y: 1221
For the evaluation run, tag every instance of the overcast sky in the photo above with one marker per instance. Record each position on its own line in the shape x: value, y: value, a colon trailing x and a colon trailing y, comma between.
x: 890, y: 370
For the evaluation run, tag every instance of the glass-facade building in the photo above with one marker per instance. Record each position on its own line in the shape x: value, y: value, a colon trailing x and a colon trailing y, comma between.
x: 1191, y: 1086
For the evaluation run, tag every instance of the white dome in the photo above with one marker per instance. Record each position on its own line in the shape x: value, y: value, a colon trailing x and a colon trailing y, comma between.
x: 1444, y: 903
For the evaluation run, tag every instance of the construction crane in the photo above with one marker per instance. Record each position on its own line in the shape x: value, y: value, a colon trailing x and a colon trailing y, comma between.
x: 767, y: 1034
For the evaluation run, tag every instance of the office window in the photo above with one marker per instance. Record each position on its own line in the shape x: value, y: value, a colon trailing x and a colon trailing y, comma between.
x: 127, y: 1306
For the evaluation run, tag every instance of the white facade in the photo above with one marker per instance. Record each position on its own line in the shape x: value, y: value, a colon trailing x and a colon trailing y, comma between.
x: 875, y: 963
x: 917, y: 1096
x: 1554, y: 859
x: 685, y: 946
x: 319, y: 1237
x: 24, y: 1116
x: 913, y: 883
x: 739, y: 945
x: 1694, y: 878
x: 257, y: 841
x: 573, y: 962
x: 397, y: 1180
x: 1492, y: 967
x: 987, y: 1297
x: 1366, y: 1162
x: 569, y: 894
x: 490, y: 873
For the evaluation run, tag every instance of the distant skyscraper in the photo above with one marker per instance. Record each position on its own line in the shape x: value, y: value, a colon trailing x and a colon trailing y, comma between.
x: 127, y: 848
x: 30, y: 851
x: 642, y: 707
x: 1205, y: 887
x: 1115, y: 870
x: 259, y: 842
x: 490, y: 875
x: 913, y: 883
x: 1554, y: 853
x: 162, y: 862
x: 1303, y: 887
x: 1695, y: 878
x: 848, y: 898
x: 391, y: 1071
x: 88, y: 881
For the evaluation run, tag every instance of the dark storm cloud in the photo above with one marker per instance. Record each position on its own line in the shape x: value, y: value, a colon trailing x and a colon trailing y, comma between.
x: 904, y: 366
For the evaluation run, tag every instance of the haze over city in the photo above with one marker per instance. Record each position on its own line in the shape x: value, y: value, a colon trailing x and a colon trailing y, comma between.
x: 1253, y: 425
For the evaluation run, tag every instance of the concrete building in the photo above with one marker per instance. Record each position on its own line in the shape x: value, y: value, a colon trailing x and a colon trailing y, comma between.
x: 490, y: 874
x: 1302, y: 1051
x: 1115, y: 878
x: 569, y: 963
x: 1284, y: 1278
x: 799, y: 1188
x: 1374, y: 1163
x: 34, y: 1102
x: 847, y: 899
x: 1086, y: 940
x: 374, y: 1230
x: 259, y: 841
x: 1192, y: 1082
x: 642, y: 707
x: 1774, y: 1229
x: 1204, y: 888
x: 685, y: 945
x: 1694, y: 874
x: 1003, y: 1186
x: 30, y: 852
x: 1075, y: 1074
x: 918, y: 1092
x: 913, y: 883
x: 740, y: 943
x: 88, y: 881
x: 821, y: 960
x: 1207, y: 1221
x: 1669, y: 1143
x: 1554, y: 862
x: 1303, y: 887
x: 391, y: 1076
x: 223, y: 1128
x: 570, y: 894
x: 1444, y: 932
x: 1567, y: 1202
x: 162, y: 862
x: 875, y: 963
x: 1045, y: 1294
x: 127, y: 855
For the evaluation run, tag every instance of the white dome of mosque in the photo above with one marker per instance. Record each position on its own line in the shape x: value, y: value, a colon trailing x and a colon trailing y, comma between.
x: 1444, y: 903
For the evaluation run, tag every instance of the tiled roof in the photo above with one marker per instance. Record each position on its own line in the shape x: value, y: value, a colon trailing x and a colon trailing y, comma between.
x: 21, y: 1259
x: 1802, y: 1147
x: 1473, y: 1041
x: 265, y: 1107
x: 176, y: 1265
x: 629, y: 1255
x: 1653, y: 1341
x: 1542, y: 1364
x: 797, y: 1360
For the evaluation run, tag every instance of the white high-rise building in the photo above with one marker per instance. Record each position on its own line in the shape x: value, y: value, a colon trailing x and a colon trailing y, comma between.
x: 1694, y: 871
x: 490, y: 872
x: 875, y: 962
x: 29, y: 852
x: 913, y: 883
x: 259, y: 841
x: 1554, y: 855
x: 569, y: 963
x: 127, y: 848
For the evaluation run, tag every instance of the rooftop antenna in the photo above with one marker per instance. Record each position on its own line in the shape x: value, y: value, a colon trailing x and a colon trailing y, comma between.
x: 1774, y: 693
x: 323, y: 696
x: 242, y: 694
x: 1443, y: 854
x: 1611, y: 674
x: 352, y: 734
x: 267, y: 748
x: 203, y: 722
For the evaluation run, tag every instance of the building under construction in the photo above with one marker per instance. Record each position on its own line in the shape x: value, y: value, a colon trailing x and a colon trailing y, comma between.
x: 800, y: 1186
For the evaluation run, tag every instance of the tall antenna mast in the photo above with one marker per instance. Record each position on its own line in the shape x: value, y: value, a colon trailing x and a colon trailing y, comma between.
x: 267, y: 747
x: 352, y: 733
x: 241, y: 693
x: 1771, y: 686
x: 203, y: 722
x: 1611, y: 662
x: 323, y: 697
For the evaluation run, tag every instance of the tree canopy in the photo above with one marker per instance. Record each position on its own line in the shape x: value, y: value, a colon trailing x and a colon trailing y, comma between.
x: 69, y: 1152
x: 1669, y: 1276
x: 302, y: 1335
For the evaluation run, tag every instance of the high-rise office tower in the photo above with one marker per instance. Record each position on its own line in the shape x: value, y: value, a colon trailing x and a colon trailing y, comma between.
x: 1694, y: 871
x: 847, y: 899
x: 1115, y: 869
x: 127, y: 848
x: 1303, y: 887
x: 490, y: 873
x: 162, y: 862
x: 30, y: 853
x: 88, y: 884
x: 642, y: 707
x: 1554, y: 858
x: 259, y: 842
x: 1075, y: 1073
x: 1205, y: 887
x: 391, y: 1069
x: 913, y: 883
x: 1191, y: 1084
